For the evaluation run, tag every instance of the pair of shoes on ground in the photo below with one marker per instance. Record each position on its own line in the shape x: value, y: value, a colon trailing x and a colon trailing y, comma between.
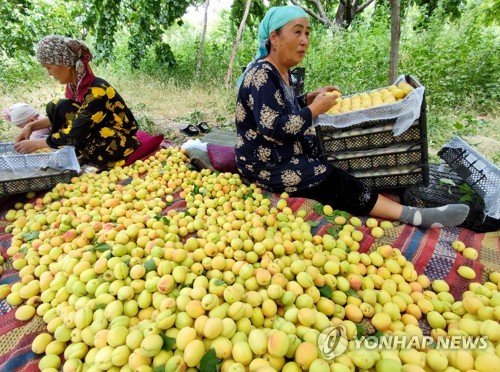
x: 194, y: 130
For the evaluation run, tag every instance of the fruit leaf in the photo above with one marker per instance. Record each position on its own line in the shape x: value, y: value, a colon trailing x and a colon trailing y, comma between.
x: 165, y: 220
x: 196, y: 190
x: 353, y: 293
x: 465, y: 198
x: 168, y: 342
x: 150, y: 265
x: 318, y: 208
x: 159, y: 368
x: 360, y: 330
x: 219, y: 282
x: 338, y: 212
x: 209, y: 362
x: 378, y: 335
x: 102, y: 247
x: 446, y: 181
x: 313, y: 223
x: 333, y: 232
x: 30, y: 236
x: 325, y: 291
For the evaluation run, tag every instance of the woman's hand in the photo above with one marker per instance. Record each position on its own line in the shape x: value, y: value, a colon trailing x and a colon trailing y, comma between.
x: 312, y: 95
x: 322, y: 103
x: 25, y: 133
x: 30, y: 146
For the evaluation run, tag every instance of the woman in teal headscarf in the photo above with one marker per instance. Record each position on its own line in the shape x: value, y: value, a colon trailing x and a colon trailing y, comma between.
x: 276, y: 146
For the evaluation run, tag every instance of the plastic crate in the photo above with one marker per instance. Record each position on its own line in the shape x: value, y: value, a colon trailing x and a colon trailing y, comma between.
x: 395, y: 177
x: 479, y: 173
x: 337, y: 145
x: 21, y: 173
x: 392, y: 156
x: 440, y: 192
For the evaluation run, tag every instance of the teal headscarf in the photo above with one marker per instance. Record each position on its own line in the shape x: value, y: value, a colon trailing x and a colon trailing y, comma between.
x: 276, y: 17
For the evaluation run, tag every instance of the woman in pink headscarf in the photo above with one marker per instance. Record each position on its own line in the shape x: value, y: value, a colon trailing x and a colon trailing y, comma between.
x: 93, y: 117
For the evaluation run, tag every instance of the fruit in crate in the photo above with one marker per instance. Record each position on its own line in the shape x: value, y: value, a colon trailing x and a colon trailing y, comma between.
x: 374, y: 98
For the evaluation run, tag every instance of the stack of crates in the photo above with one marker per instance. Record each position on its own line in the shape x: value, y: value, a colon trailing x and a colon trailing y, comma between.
x: 370, y: 151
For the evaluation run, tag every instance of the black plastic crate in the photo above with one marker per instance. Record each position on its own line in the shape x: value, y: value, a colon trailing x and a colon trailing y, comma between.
x: 360, y: 160
x: 479, y: 173
x: 447, y: 187
x: 35, y: 184
x: 388, y: 179
x: 367, y: 135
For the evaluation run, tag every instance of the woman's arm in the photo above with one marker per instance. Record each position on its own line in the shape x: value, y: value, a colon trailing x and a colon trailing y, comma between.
x: 29, y: 146
x: 30, y: 127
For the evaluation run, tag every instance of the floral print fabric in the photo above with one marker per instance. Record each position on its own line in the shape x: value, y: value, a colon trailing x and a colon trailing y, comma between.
x: 276, y: 145
x: 102, y: 129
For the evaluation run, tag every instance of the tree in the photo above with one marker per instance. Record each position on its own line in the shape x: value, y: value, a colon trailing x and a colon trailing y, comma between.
x: 202, y: 38
x: 146, y: 21
x: 345, y: 12
x: 236, y: 42
x: 395, y: 35
x: 257, y: 12
x: 23, y: 23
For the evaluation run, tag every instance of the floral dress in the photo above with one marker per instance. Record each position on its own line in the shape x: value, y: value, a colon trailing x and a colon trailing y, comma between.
x: 102, y: 129
x: 276, y: 147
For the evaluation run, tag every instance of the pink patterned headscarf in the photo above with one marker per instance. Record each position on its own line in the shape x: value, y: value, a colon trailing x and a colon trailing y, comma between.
x: 65, y: 51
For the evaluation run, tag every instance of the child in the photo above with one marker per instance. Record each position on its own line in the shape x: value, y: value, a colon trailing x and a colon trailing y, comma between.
x: 21, y: 114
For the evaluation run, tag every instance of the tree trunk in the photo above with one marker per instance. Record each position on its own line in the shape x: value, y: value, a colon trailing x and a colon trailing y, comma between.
x: 395, y: 35
x: 202, y: 40
x: 236, y: 42
x: 339, y: 16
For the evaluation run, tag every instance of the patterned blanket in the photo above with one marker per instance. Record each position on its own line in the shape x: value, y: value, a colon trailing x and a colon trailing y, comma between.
x: 429, y: 250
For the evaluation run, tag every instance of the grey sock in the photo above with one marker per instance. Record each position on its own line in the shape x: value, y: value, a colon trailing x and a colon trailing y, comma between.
x: 446, y: 216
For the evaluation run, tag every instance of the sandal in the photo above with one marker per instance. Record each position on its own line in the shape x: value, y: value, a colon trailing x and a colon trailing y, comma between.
x: 203, y: 127
x: 190, y: 130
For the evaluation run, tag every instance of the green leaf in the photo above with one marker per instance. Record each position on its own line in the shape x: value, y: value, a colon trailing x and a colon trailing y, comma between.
x: 313, y: 223
x: 465, y: 198
x: 360, y: 330
x: 102, y: 247
x: 458, y: 125
x: 353, y: 293
x: 165, y: 220
x: 333, y: 232
x: 378, y: 334
x: 168, y: 342
x: 209, y: 362
x: 318, y: 208
x: 325, y: 291
x: 150, y: 265
x: 219, y: 282
x: 446, y: 181
x: 32, y: 235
